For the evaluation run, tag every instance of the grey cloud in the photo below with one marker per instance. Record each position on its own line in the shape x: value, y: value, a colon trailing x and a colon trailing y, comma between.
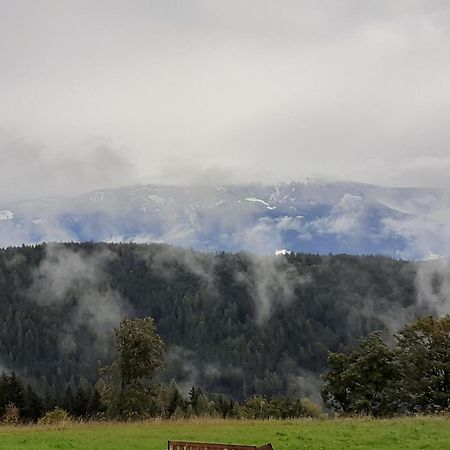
x: 242, y: 91
x: 31, y: 171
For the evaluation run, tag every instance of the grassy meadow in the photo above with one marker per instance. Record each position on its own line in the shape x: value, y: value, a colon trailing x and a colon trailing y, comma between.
x: 403, y: 433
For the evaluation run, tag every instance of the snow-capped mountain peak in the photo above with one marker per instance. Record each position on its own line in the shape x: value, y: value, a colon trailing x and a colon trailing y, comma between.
x: 309, y: 216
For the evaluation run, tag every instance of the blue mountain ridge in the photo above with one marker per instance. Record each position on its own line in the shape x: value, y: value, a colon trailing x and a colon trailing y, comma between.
x: 309, y: 216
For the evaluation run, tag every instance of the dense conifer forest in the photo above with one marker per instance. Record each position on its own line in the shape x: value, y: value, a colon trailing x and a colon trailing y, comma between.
x: 234, y: 324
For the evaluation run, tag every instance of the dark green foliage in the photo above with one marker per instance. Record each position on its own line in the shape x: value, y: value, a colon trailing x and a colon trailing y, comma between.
x: 194, y: 395
x: 13, y: 392
x: 171, y: 403
x: 165, y: 401
x: 413, y: 377
x: 140, y: 349
x: 205, y: 305
x: 174, y: 400
x: 125, y: 386
x: 68, y: 402
x: 423, y: 352
x: 363, y: 380
x: 33, y: 406
x: 259, y: 407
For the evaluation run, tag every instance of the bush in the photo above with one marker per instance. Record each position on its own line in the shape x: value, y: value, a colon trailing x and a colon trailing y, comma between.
x: 311, y: 409
x: 12, y: 414
x: 56, y: 416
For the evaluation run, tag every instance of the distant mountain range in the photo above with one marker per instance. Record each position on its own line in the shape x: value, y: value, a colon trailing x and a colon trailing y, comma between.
x: 310, y: 216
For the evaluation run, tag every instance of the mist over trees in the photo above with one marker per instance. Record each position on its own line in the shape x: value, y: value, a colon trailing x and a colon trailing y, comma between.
x: 234, y: 324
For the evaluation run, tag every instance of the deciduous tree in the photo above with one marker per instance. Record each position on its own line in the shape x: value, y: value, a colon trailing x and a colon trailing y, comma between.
x: 125, y: 386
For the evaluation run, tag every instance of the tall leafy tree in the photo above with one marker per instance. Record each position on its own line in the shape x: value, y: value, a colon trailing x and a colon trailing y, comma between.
x: 424, y: 358
x: 125, y: 386
x: 413, y: 377
x: 362, y: 381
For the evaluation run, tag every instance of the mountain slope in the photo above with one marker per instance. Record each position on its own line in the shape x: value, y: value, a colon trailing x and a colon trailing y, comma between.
x: 310, y: 216
x: 238, y: 324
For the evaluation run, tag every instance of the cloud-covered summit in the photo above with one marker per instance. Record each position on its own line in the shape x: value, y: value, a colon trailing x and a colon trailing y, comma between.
x: 309, y: 216
x: 188, y: 92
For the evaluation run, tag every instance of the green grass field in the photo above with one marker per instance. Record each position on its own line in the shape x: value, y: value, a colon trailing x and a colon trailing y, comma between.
x: 405, y: 433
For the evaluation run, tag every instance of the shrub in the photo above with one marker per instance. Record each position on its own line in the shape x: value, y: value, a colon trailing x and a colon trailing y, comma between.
x: 12, y: 414
x: 56, y: 416
x: 311, y: 409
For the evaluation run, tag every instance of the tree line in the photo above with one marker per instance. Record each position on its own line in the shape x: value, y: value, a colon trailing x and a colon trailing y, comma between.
x: 127, y: 389
x: 375, y: 379
x: 411, y: 377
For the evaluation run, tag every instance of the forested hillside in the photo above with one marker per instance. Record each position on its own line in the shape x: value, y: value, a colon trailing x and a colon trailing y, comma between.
x: 236, y: 324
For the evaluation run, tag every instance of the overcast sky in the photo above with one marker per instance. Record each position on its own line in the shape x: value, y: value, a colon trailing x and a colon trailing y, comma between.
x: 103, y: 93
